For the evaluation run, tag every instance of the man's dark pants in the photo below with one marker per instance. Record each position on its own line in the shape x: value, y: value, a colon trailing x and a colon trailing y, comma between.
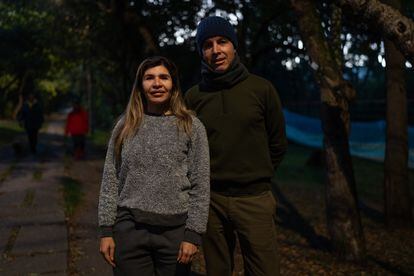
x: 32, y: 137
x: 252, y: 218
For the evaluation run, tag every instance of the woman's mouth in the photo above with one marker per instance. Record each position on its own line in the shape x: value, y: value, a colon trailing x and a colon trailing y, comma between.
x: 157, y: 93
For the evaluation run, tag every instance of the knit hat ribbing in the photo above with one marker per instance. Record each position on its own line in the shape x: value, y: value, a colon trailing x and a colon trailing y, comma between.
x: 214, y: 26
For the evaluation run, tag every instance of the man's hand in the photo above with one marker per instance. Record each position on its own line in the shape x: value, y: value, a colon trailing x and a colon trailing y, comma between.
x: 186, y: 253
x: 107, y: 249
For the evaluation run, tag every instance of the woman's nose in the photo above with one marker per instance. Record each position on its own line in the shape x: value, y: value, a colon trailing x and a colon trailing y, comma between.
x: 157, y: 82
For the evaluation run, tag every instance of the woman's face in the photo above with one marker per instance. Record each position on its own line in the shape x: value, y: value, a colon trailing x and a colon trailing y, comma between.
x: 157, y: 85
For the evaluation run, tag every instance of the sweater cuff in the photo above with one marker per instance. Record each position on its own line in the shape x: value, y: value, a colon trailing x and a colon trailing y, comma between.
x: 105, y: 231
x: 192, y: 237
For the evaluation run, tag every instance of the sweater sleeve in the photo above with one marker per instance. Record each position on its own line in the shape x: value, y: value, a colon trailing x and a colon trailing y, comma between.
x: 108, y: 197
x: 275, y: 126
x: 199, y: 177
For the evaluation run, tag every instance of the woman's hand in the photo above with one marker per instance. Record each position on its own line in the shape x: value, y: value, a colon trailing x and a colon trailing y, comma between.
x: 107, y: 249
x: 187, y: 252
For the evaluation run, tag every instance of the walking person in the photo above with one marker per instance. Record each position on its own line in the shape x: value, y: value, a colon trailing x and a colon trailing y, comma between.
x: 246, y: 132
x: 154, y: 197
x: 31, y: 118
x: 77, y: 126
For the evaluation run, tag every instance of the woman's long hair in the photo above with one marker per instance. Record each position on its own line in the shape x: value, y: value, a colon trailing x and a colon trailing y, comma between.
x: 135, y: 109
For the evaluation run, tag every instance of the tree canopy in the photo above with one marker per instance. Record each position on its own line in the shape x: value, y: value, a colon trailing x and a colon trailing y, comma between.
x: 57, y: 43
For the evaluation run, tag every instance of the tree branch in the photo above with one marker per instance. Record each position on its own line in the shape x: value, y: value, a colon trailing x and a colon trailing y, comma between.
x: 394, y: 26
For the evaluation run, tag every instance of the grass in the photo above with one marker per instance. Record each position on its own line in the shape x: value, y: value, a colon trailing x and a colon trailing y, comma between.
x: 37, y: 175
x: 72, y: 194
x: 100, y: 138
x: 10, y: 242
x: 294, y: 172
x: 28, y: 199
x: 8, y: 131
x: 5, y: 173
x: 67, y: 163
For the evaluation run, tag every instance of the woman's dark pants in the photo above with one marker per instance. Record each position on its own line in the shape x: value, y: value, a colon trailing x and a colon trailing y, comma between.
x: 142, y: 249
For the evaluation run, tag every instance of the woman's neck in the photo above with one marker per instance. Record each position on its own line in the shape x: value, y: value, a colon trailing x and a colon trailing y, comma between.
x: 158, y: 110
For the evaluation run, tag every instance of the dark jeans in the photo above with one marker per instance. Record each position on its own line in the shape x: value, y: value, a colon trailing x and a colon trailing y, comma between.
x: 78, y: 142
x: 143, y: 250
x: 32, y: 137
x: 78, y: 146
x: 252, y: 218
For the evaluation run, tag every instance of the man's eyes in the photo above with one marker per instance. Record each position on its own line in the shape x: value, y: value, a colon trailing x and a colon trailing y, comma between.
x: 209, y: 45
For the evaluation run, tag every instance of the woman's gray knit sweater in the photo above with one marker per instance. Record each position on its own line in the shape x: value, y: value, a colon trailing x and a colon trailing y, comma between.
x: 162, y: 178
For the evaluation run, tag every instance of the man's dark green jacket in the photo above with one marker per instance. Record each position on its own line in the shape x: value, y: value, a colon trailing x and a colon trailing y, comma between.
x: 246, y: 132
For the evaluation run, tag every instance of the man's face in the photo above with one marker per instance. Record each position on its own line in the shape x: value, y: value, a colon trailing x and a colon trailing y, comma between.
x: 218, y: 52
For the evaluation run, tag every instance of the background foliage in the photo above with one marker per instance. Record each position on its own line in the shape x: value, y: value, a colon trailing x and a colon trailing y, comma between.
x: 90, y: 48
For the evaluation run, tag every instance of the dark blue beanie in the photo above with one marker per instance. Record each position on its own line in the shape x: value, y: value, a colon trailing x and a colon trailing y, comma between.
x: 214, y: 26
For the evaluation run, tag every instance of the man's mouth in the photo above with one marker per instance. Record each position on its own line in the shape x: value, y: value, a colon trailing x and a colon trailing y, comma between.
x: 219, y: 62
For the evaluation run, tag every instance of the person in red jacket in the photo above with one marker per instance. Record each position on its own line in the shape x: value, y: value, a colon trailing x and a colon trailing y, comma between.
x: 77, y: 126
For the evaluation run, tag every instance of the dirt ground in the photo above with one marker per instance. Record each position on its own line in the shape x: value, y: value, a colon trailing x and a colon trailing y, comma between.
x: 302, y: 235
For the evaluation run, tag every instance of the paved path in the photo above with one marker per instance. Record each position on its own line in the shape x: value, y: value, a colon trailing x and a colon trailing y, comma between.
x: 33, y: 232
x: 85, y: 242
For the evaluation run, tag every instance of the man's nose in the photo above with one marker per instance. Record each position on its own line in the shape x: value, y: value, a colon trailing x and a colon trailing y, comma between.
x: 216, y: 48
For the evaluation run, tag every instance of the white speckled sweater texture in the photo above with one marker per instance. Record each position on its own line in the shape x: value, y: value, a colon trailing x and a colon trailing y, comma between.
x: 163, y: 176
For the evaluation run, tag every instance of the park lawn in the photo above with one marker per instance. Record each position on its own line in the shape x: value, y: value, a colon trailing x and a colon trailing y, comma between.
x: 295, y: 172
x: 302, y: 231
x: 9, y: 130
x: 100, y: 138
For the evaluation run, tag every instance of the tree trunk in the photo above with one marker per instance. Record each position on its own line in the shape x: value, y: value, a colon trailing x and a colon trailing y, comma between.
x: 397, y: 200
x: 20, y: 93
x: 130, y: 19
x: 343, y: 218
x: 335, y: 37
x: 89, y: 94
x: 390, y: 21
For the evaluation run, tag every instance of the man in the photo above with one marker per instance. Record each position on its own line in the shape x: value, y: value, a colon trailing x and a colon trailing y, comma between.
x: 246, y: 131
x: 31, y: 118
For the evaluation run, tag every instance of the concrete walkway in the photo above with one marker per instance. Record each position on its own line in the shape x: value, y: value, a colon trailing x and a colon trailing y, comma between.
x: 33, y: 232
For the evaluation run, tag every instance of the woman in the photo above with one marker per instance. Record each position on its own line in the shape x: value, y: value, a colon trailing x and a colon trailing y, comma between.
x: 77, y: 126
x: 154, y: 198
